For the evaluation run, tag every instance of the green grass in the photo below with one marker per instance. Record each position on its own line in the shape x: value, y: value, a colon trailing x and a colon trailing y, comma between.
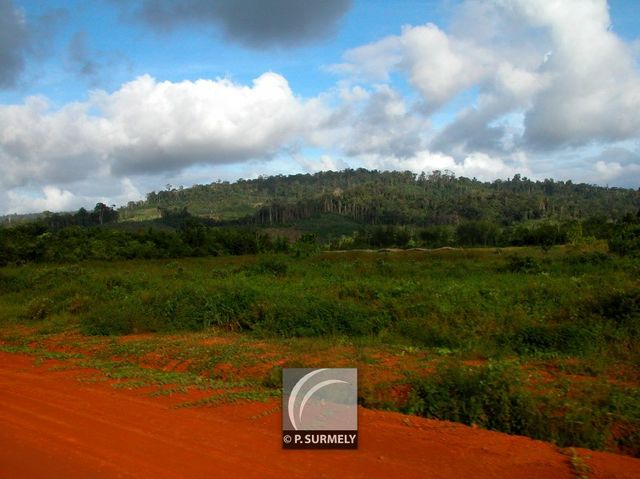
x: 576, y: 309
x: 487, y: 302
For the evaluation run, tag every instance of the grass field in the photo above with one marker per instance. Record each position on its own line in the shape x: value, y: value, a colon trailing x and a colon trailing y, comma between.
x: 544, y: 344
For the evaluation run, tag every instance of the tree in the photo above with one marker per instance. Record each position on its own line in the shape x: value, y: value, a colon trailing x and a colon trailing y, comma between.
x: 104, y: 214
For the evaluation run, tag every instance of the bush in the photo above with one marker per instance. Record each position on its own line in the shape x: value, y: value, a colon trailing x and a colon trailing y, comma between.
x: 497, y: 396
x: 491, y: 396
x: 561, y: 338
x: 317, y: 317
x: 431, y: 331
x: 271, y: 266
x: 523, y: 264
x: 39, y: 308
x: 626, y: 240
x: 195, y: 309
x: 109, y: 319
x: 620, y: 309
x: 619, y: 305
x: 593, y: 257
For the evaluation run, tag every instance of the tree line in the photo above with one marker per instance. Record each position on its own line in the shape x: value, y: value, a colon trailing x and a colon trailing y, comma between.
x: 392, y: 197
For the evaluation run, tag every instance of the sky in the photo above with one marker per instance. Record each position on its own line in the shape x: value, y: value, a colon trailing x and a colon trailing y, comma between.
x: 107, y: 100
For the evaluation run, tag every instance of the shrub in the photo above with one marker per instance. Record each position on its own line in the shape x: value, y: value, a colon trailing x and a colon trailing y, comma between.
x: 593, y: 257
x: 431, y: 331
x: 561, y: 338
x: 619, y: 306
x: 195, y: 309
x: 490, y: 396
x: 522, y: 264
x: 271, y: 266
x: 39, y: 308
x: 109, y: 319
x: 317, y: 317
x: 626, y: 240
x: 496, y: 396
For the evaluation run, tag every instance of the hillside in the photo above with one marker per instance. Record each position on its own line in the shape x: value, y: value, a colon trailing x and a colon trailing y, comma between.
x: 389, y: 197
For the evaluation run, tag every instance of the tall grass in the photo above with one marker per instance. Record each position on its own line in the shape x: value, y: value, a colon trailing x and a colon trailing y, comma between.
x: 488, y: 302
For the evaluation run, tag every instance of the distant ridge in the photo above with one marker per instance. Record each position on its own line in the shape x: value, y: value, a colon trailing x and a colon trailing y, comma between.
x: 388, y: 197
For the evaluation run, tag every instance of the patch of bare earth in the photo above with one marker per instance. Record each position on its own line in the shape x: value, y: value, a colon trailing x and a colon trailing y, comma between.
x: 52, y: 425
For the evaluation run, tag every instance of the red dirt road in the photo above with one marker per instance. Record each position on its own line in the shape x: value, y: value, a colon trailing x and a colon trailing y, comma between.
x: 52, y: 425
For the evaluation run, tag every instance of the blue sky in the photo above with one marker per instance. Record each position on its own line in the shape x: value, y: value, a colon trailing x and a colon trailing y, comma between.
x: 106, y: 100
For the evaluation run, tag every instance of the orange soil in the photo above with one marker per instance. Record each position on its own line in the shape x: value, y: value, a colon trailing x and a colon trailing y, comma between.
x: 52, y: 425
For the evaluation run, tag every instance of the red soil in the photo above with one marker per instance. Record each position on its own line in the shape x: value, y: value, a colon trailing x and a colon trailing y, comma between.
x: 52, y: 425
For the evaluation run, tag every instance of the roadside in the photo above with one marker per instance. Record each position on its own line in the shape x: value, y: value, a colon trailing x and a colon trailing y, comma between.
x: 55, y: 425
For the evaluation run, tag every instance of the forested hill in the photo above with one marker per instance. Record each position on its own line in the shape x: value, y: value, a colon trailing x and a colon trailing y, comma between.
x: 389, y: 197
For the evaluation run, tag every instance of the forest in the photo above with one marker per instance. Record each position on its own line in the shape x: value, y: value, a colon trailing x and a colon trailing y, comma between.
x: 351, y: 209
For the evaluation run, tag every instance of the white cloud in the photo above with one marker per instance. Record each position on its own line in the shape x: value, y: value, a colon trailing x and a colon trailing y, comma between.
x: 618, y: 165
x: 323, y: 163
x: 438, y: 65
x: 475, y: 165
x: 595, y: 91
x: 556, y: 61
x: 374, y: 61
x: 52, y: 199
x: 615, y: 172
x: 376, y: 121
x: 550, y: 85
x: 609, y: 170
x: 169, y: 125
x: 39, y: 145
x: 147, y: 127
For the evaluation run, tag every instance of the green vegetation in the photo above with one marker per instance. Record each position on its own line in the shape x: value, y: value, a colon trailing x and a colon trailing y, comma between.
x: 498, y: 396
x: 487, y: 301
x: 536, y: 333
x: 501, y: 305
x: 389, y: 197
x: 352, y: 209
x: 182, y: 235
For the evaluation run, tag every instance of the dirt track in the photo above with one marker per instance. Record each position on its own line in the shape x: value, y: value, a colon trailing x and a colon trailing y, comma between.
x: 52, y: 425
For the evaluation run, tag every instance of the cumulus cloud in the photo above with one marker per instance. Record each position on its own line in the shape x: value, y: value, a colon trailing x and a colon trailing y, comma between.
x: 595, y: 92
x: 257, y: 24
x: 37, y: 144
x: 53, y: 198
x: 472, y: 131
x: 371, y: 121
x: 437, y: 65
x: 618, y: 165
x: 557, y: 62
x: 148, y: 127
x: 170, y: 125
x: 475, y: 165
x: 323, y: 163
x: 539, y: 87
